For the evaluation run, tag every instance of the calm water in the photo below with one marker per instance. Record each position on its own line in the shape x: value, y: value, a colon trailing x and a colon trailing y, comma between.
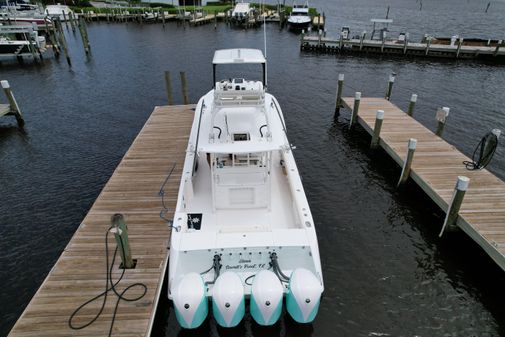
x: 386, y: 271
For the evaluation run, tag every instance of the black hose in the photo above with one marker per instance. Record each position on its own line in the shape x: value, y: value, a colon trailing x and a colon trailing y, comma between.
x: 220, y: 131
x: 277, y: 269
x: 486, y: 149
x: 261, y: 128
x: 108, y: 279
x: 216, y: 265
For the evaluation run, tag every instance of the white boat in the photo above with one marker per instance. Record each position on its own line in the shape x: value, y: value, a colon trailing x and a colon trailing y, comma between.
x: 58, y: 10
x: 299, y: 18
x: 18, y: 40
x: 242, y: 226
x: 242, y: 13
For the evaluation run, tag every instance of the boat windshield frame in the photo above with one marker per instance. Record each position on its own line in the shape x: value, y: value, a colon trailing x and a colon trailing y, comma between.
x: 238, y: 56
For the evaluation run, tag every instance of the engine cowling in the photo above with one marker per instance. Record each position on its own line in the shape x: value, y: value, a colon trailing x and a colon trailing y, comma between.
x: 228, y: 304
x: 190, y: 301
x: 266, y: 298
x: 304, y: 295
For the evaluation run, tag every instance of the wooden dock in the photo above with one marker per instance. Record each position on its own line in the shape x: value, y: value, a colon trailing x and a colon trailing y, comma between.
x: 435, y: 167
x: 208, y: 18
x: 79, y: 274
x: 325, y: 44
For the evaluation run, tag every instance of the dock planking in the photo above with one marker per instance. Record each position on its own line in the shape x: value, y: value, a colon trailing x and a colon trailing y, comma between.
x: 79, y: 274
x: 435, y: 168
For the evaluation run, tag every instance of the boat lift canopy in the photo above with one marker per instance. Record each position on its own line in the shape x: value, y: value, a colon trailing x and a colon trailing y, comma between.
x: 239, y: 56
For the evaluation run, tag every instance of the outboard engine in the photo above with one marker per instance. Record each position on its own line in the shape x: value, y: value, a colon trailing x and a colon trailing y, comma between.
x: 228, y: 302
x: 190, y: 301
x: 304, y: 295
x: 266, y: 298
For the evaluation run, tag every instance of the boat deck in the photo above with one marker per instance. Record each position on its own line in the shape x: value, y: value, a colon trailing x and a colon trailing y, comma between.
x: 435, y: 168
x: 79, y: 273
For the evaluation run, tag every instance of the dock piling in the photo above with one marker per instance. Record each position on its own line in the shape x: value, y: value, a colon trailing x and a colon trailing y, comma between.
x: 441, y: 118
x: 355, y: 109
x: 412, y: 105
x: 72, y: 22
x: 13, y: 104
x: 407, y: 164
x: 340, y: 86
x: 62, y: 39
x: 84, y: 35
x: 498, y: 45
x: 379, y: 117
x: 390, y: 86
x: 184, y: 83
x: 460, y: 43
x: 455, y: 205
x: 362, y: 37
x: 120, y: 231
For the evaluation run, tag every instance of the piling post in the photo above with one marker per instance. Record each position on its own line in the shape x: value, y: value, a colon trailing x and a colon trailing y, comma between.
x: 65, y: 18
x: 14, y: 107
x: 215, y: 20
x: 163, y: 17
x: 62, y: 39
x: 84, y: 36
x: 390, y: 86
x: 455, y: 204
x: 355, y: 109
x: 52, y: 39
x: 441, y: 118
x: 340, y: 86
x: 71, y: 19
x: 407, y: 164
x: 168, y: 84
x: 412, y: 104
x: 406, y: 44
x: 428, y: 45
x: 362, y: 37
x: 120, y: 231
x: 184, y: 83
x: 460, y: 42
x: 379, y: 117
x: 498, y: 45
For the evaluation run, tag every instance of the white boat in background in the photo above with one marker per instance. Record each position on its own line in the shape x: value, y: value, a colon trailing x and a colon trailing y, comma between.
x: 58, y: 10
x: 242, y: 13
x: 19, y: 40
x: 242, y: 226
x: 299, y: 18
